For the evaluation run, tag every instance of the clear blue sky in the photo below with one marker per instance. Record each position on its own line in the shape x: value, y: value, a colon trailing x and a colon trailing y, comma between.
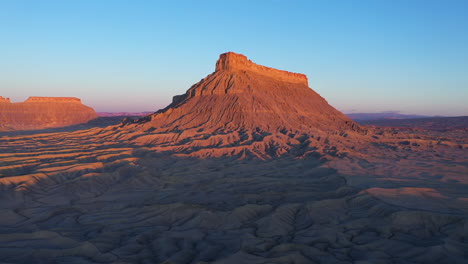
x: 362, y: 56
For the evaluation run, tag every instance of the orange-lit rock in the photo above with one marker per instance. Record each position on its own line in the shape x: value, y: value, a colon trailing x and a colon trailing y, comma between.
x: 43, y: 112
x: 40, y: 99
x: 232, y: 62
x: 4, y: 100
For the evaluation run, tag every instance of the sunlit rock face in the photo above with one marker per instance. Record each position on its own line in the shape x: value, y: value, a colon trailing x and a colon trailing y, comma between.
x: 43, y: 112
x: 4, y: 100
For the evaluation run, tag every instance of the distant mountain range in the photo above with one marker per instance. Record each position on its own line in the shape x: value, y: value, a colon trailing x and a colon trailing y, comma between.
x: 430, y: 123
x: 383, y: 115
x: 106, y: 114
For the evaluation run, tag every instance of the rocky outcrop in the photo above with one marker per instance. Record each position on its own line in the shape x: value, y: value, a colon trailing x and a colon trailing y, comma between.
x: 44, y: 112
x: 4, y: 100
x: 232, y: 62
x: 40, y: 99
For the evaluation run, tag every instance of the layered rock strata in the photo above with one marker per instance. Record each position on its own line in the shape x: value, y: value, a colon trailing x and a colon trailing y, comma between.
x: 43, y: 112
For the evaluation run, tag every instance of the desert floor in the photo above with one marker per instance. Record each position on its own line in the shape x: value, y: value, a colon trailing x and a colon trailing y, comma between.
x: 78, y: 197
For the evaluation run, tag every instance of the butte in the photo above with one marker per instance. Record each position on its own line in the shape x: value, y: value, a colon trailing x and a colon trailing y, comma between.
x: 43, y: 112
x: 244, y: 109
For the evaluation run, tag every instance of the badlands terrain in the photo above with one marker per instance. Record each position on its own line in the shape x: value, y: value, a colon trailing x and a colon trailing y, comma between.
x: 250, y: 165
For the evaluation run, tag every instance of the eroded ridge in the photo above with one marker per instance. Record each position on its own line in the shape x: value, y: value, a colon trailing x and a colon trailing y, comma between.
x: 40, y: 99
x: 4, y: 100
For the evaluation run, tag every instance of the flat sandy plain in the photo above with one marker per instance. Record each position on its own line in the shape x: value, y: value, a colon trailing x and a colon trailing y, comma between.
x: 89, y: 195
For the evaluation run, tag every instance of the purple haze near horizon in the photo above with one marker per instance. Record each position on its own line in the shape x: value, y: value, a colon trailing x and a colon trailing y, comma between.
x: 132, y: 56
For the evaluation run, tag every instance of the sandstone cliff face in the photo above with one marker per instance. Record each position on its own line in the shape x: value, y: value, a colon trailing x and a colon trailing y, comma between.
x: 40, y: 99
x: 44, y: 112
x: 4, y: 100
x: 233, y: 62
x: 240, y: 103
